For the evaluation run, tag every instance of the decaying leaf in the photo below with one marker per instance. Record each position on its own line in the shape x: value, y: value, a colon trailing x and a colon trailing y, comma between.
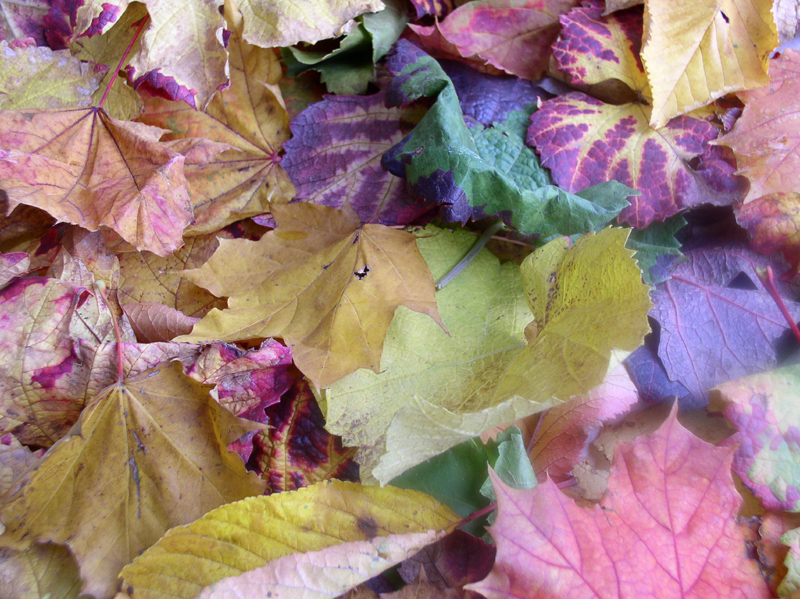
x: 321, y: 281
x: 666, y: 528
x: 246, y: 535
x: 149, y: 454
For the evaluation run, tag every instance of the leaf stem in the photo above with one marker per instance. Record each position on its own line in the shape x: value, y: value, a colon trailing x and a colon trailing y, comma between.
x: 101, y: 288
x: 465, y: 261
x: 123, y: 59
x: 767, y: 278
x: 478, y: 514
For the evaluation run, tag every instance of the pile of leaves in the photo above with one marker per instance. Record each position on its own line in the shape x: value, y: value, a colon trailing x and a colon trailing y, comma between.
x: 510, y: 313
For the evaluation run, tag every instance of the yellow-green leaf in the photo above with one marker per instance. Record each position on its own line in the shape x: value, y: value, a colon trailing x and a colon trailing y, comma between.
x: 434, y: 390
x: 243, y: 536
x: 149, y: 454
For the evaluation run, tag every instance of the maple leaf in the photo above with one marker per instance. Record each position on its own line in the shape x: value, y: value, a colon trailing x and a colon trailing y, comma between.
x: 762, y: 408
x: 323, y: 282
x: 511, y: 35
x: 245, y: 535
x: 346, y: 167
x: 594, y: 49
x: 585, y: 142
x: 296, y: 451
x: 23, y: 19
x: 763, y: 137
x: 87, y: 168
x: 35, y: 77
x: 665, y: 528
x: 140, y: 463
x: 473, y: 172
x: 435, y: 390
x: 563, y: 431
x: 712, y: 331
x: 12, y: 265
x: 248, y: 118
x: 350, y: 68
x: 696, y: 53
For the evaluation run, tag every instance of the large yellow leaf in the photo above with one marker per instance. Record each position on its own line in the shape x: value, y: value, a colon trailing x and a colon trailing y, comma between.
x: 435, y: 390
x: 323, y: 282
x: 246, y: 535
x: 696, y: 51
x: 38, y: 570
x: 148, y: 454
x: 248, y: 116
x: 278, y: 23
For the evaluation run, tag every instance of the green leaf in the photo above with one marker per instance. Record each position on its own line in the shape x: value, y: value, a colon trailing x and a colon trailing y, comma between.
x: 656, y: 240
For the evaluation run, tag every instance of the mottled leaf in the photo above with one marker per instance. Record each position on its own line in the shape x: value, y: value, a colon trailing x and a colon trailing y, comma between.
x: 89, y: 169
x: 13, y: 265
x: 436, y: 390
x: 296, y: 451
x: 249, y: 118
x: 593, y: 49
x: 438, y: 8
x: 696, y: 52
x: 243, y: 536
x: 321, y: 281
x: 511, y: 35
x: 37, y: 77
x: 334, y: 158
x: 585, y: 142
x: 762, y: 407
x: 666, y: 528
x: 23, y: 18
x: 711, y: 331
x: 149, y: 455
x: 764, y: 139
x: 773, y: 222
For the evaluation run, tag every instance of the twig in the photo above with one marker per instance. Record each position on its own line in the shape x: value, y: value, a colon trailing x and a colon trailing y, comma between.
x: 465, y: 261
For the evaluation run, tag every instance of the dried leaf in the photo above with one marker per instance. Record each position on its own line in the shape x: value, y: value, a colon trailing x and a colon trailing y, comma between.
x: 23, y: 18
x: 140, y: 463
x: 13, y: 265
x: 773, y: 222
x: 27, y: 574
x: 325, y: 284
x: 156, y: 322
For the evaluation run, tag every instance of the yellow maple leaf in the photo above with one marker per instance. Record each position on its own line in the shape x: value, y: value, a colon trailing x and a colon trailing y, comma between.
x: 322, y: 281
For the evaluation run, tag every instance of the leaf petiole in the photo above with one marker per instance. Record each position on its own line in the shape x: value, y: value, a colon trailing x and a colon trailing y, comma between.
x: 767, y: 278
x: 123, y: 59
x: 465, y: 261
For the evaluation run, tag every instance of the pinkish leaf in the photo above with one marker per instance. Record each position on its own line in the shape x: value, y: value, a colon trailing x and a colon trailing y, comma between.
x: 585, y: 142
x: 711, y: 331
x: 563, y: 431
x: 666, y: 528
x: 24, y: 19
x: 13, y: 265
x: 334, y: 158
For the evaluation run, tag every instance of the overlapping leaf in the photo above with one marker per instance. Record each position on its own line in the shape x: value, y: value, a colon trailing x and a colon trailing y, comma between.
x: 243, y: 536
x: 23, y: 19
x: 762, y: 407
x: 142, y: 462
x: 696, y: 52
x: 27, y: 573
x: 511, y: 35
x: 666, y: 528
x: 13, y: 265
x: 35, y: 77
x: 774, y: 225
x: 434, y: 390
x: 249, y: 118
x: 472, y: 172
x: 87, y: 168
x: 585, y: 142
x: 323, y: 282
x: 711, y: 331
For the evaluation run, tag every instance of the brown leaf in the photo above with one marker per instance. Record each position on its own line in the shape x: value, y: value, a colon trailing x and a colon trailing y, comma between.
x: 157, y: 322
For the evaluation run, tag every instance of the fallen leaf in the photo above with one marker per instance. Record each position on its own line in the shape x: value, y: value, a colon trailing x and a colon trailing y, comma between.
x: 511, y: 35
x: 771, y: 552
x: 438, y: 8
x: 296, y: 451
x: 695, y: 53
x: 27, y: 574
x: 37, y: 77
x: 334, y: 158
x: 23, y: 19
x: 328, y: 572
x: 564, y: 430
x: 435, y: 390
x: 156, y: 322
x: 243, y: 536
x: 791, y: 583
x: 773, y: 223
x: 249, y: 118
x: 139, y: 463
x: 322, y: 282
x: 13, y: 265
x: 585, y: 142
x: 762, y: 408
x: 653, y: 242
x: 283, y: 23
x: 763, y: 138
x: 89, y: 169
x: 16, y: 461
x: 711, y: 331
x: 652, y: 381
x: 593, y: 48
x: 666, y: 528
